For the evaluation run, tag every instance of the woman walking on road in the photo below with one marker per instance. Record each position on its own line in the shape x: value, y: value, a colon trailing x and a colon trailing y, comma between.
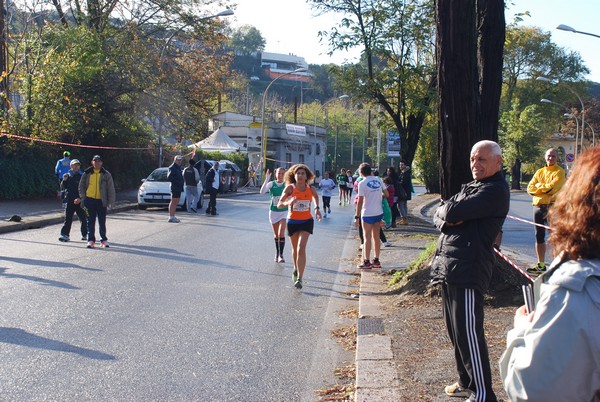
x: 299, y: 196
x: 369, y: 209
x: 277, y: 215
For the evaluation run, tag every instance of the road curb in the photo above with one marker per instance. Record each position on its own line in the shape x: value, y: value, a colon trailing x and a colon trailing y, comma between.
x: 46, y: 218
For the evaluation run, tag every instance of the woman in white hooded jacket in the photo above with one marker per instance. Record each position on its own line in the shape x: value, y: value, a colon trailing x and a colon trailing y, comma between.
x: 553, y: 353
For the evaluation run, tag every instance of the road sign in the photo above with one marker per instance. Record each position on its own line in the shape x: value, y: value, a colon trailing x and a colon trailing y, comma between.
x: 569, y: 157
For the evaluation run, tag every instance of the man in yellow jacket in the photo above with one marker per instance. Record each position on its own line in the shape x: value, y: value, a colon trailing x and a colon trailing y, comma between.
x: 544, y: 186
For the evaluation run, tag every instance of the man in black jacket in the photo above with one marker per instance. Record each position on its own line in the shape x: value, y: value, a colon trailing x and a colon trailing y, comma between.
x: 213, y: 181
x: 175, y: 176
x: 463, y: 263
x: 70, y: 186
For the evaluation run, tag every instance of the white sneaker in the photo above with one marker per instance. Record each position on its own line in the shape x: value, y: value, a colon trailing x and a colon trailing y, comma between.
x: 387, y: 244
x: 64, y: 238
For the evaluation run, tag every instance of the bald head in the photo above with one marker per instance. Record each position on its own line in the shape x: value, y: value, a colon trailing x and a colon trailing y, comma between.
x: 486, y: 159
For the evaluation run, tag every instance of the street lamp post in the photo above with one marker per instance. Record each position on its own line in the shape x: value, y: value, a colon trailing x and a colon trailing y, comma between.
x: 544, y: 79
x: 567, y: 28
x: 223, y: 13
x: 322, y: 108
x: 577, y: 127
x: 566, y: 115
x: 262, y: 116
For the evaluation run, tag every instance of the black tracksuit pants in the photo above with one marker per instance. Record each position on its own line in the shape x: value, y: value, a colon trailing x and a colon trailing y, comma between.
x: 463, y: 313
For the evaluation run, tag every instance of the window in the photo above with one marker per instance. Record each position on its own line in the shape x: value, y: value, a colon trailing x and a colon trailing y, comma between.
x: 301, y: 158
x: 288, y: 159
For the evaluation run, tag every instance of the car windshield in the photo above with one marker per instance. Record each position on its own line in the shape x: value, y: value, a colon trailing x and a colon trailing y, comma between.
x: 158, y: 175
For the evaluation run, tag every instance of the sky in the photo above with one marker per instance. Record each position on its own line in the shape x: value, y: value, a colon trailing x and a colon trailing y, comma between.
x: 290, y: 26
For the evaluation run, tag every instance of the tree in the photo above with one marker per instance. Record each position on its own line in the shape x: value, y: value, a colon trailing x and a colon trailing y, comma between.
x: 396, y: 70
x: 470, y: 36
x: 521, y: 138
x: 246, y: 40
x: 529, y: 53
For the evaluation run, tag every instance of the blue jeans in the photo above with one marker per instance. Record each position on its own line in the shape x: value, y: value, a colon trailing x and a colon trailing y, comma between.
x: 94, y: 208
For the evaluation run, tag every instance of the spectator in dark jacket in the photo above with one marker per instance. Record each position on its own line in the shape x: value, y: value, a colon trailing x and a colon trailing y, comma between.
x: 213, y: 181
x: 72, y: 200
x: 469, y: 222
x: 404, y: 192
x: 175, y: 176
x: 391, y: 173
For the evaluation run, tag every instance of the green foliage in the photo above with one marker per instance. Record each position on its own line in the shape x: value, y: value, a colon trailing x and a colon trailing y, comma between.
x: 427, y: 166
x: 520, y: 136
x: 422, y: 260
x: 398, y: 68
x: 27, y: 176
x: 246, y: 40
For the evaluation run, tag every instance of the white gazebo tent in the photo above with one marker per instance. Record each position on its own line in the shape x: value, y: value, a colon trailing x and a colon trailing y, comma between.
x: 217, y: 141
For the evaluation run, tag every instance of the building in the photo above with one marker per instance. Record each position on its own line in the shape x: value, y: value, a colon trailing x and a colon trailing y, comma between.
x: 287, y: 144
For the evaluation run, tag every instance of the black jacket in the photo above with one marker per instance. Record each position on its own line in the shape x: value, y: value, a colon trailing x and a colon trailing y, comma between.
x: 70, y: 185
x: 464, y: 256
x: 175, y: 176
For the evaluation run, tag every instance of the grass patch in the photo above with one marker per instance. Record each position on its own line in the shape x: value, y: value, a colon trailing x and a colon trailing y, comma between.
x: 421, y: 260
x: 422, y: 236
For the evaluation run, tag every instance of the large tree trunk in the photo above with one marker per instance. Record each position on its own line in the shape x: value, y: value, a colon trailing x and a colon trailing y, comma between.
x: 470, y: 38
x: 515, y: 174
x: 458, y: 90
x: 491, y: 29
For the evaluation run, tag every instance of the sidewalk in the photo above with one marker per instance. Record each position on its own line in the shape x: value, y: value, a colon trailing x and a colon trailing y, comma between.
x: 37, y: 213
x: 376, y: 371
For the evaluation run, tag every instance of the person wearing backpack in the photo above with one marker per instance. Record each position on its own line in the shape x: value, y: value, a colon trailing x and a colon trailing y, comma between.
x: 191, y: 178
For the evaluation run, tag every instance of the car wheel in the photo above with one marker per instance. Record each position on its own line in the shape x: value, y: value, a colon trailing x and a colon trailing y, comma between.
x: 142, y: 207
x: 200, y: 200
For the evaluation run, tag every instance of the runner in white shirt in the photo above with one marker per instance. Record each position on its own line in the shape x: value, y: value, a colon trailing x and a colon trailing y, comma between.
x: 327, y: 185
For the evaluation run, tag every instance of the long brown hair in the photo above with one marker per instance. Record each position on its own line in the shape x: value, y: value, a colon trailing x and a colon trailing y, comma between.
x: 575, y: 216
x: 291, y: 172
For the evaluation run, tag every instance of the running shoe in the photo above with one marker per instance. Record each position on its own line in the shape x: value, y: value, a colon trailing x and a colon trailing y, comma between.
x: 329, y: 211
x: 538, y: 268
x: 295, y: 275
x: 365, y: 265
x: 276, y: 258
x: 325, y: 215
x: 104, y: 244
x: 387, y: 244
x: 64, y: 238
x: 376, y: 263
x: 90, y: 244
x: 456, y: 390
x: 280, y: 259
x: 340, y: 203
x: 83, y: 237
x: 173, y: 220
x: 298, y: 284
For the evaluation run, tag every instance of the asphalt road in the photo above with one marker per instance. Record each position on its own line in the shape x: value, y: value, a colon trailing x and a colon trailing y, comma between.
x: 189, y: 311
x: 520, y: 236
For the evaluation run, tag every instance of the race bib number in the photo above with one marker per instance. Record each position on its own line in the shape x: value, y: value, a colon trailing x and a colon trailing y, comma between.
x: 302, y: 205
x: 276, y: 199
